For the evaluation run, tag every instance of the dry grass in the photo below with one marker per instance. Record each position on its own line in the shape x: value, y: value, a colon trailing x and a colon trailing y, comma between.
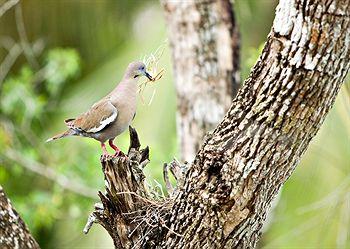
x: 152, y: 216
x: 152, y: 64
x: 150, y: 219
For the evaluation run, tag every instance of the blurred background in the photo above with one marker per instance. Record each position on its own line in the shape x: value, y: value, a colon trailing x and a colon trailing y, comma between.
x: 57, y: 57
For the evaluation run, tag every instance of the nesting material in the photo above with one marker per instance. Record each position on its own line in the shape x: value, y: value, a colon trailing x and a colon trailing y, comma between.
x: 152, y: 65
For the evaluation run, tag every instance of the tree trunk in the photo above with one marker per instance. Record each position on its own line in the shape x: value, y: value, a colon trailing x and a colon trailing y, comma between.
x: 205, y: 50
x: 222, y: 198
x: 254, y: 150
x: 13, y: 231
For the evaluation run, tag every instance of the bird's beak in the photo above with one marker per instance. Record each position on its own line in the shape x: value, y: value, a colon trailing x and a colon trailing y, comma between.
x: 148, y: 75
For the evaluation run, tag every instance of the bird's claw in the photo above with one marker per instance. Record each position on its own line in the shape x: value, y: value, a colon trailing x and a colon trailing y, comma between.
x: 105, y: 157
x: 120, y: 153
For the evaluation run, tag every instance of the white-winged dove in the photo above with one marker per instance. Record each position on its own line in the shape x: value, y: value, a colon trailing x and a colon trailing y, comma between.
x: 110, y: 116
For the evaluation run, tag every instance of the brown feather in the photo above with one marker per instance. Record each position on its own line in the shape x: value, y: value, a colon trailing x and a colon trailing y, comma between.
x: 94, y: 118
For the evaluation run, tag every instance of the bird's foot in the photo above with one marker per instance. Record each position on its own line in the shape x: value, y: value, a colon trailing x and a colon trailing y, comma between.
x: 120, y: 154
x: 105, y: 157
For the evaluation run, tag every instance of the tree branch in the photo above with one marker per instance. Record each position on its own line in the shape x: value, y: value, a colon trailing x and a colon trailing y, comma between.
x: 28, y: 51
x: 7, y: 5
x: 13, y: 231
x: 8, y: 62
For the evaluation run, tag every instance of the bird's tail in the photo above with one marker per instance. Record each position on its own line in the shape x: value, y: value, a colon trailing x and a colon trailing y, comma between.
x: 67, y: 133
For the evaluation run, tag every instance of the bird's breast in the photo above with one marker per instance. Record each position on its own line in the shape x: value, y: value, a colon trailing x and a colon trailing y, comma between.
x: 126, y: 107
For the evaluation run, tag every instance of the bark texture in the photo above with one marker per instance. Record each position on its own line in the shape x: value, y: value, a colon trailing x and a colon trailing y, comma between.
x: 133, y: 212
x: 205, y: 50
x: 124, y: 207
x: 222, y: 198
x: 270, y: 124
x: 13, y: 231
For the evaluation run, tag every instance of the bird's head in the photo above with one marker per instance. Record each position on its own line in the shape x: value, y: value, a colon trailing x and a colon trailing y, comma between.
x: 137, y: 69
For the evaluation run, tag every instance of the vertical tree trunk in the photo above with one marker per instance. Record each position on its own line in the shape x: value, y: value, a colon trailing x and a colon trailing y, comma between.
x: 13, y: 231
x: 205, y: 51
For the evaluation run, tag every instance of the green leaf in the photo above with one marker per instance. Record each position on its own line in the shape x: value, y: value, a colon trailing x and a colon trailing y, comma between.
x: 61, y: 65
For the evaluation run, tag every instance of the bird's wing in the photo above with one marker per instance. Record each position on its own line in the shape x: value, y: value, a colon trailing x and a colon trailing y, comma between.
x: 98, y: 117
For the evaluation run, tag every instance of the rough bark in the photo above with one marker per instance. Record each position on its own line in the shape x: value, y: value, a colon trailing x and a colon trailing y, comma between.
x: 222, y: 198
x: 132, y: 211
x: 254, y: 150
x: 126, y: 198
x: 205, y: 51
x: 13, y: 231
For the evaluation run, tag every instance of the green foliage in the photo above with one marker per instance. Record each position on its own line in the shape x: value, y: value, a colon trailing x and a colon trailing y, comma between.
x: 23, y: 100
x: 19, y: 101
x: 40, y: 214
x: 253, y: 54
x: 61, y: 64
x: 25, y: 104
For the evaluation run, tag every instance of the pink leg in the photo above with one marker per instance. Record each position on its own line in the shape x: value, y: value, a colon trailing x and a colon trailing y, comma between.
x: 104, y: 150
x: 115, y: 148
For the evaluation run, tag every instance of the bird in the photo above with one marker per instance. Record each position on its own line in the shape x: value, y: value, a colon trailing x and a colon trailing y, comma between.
x: 109, y: 117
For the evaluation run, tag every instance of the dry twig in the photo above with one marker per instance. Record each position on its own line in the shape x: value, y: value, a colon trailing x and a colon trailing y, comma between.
x: 27, y: 49
x: 7, y: 5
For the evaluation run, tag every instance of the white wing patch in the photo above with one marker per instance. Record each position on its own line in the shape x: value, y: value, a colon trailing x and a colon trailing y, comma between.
x: 104, y: 123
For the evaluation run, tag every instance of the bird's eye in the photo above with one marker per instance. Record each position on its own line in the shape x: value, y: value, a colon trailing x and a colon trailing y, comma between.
x: 142, y: 68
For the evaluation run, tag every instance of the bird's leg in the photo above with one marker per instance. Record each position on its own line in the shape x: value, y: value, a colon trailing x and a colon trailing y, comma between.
x: 104, y: 150
x: 115, y: 148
